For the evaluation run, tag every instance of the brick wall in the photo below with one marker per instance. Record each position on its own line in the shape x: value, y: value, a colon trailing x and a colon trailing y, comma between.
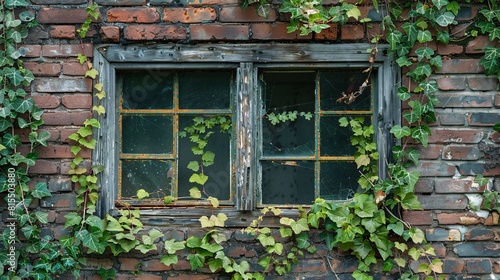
x: 460, y: 145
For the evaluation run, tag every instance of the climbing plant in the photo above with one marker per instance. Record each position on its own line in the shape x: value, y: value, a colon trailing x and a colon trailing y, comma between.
x: 368, y: 225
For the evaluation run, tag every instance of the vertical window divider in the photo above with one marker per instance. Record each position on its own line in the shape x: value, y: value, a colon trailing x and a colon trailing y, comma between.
x: 245, y: 115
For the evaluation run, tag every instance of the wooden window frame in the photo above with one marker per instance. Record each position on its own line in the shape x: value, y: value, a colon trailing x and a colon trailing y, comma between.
x: 247, y: 58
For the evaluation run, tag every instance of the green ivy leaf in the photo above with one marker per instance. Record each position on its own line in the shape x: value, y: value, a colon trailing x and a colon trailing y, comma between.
x: 400, y: 132
x: 299, y: 226
x: 40, y: 191
x: 169, y: 259
x: 303, y: 240
x: 13, y: 75
x: 72, y: 219
x: 141, y: 194
x: 421, y: 133
x: 194, y: 192
x: 194, y: 166
x: 424, y: 36
x: 198, y: 178
x: 196, y: 261
x: 362, y: 160
x: 445, y: 18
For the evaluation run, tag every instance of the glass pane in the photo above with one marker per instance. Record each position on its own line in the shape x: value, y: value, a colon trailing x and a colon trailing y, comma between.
x: 334, y: 83
x: 287, y: 182
x: 285, y: 92
x: 147, y: 89
x: 204, y: 89
x: 335, y: 140
x: 154, y: 176
x: 219, y: 174
x: 146, y: 134
x: 338, y: 180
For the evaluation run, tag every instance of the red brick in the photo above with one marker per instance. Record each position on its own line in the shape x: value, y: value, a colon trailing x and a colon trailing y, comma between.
x: 129, y: 264
x: 61, y: 15
x: 444, y: 202
x: 451, y: 83
x: 457, y: 100
x: 482, y: 83
x: 63, y: 31
x: 44, y: 167
x: 461, y: 218
x: 23, y: 134
x: 67, y: 50
x: 456, y: 152
x: 154, y: 32
x: 276, y: 31
x: 478, y: 43
x: 461, y: 135
x: 121, y: 2
x: 74, y: 69
x: 54, y: 85
x: 497, y: 100
x: 110, y: 34
x: 424, y: 185
x: 32, y: 50
x: 305, y: 265
x: 236, y: 14
x: 331, y: 33
x: 65, y: 133
x: 479, y: 266
x: 77, y: 101
x: 453, y: 266
x: 460, y: 66
x: 65, y: 118
x: 192, y: 277
x: 181, y: 265
x: 430, y: 152
x: 65, y: 167
x: 59, y: 151
x: 131, y: 15
x: 219, y: 32
x: 96, y: 264
x: 418, y: 218
x: 189, y: 15
x: 59, y: 201
x: 154, y: 265
x: 433, y: 168
x: 483, y: 119
x: 449, y: 49
x: 214, y: 2
x: 352, y: 32
x: 46, y: 101
x: 465, y: 185
x: 43, y: 68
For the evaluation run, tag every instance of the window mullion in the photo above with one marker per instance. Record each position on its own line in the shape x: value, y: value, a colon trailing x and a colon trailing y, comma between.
x: 245, y: 115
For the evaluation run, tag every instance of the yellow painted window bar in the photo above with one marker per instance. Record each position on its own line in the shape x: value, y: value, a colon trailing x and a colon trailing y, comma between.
x: 155, y: 105
x: 303, y: 159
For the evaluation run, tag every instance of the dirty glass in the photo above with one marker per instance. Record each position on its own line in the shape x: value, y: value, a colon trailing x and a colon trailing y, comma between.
x: 154, y: 176
x: 338, y: 180
x: 288, y: 182
x: 302, y: 159
x: 146, y: 134
x: 335, y: 140
x: 219, y: 174
x: 333, y: 84
x: 147, y: 89
x: 155, y: 106
x: 285, y: 92
x: 204, y: 89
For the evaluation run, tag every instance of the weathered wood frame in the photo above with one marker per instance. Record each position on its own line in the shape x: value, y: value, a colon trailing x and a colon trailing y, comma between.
x: 248, y: 58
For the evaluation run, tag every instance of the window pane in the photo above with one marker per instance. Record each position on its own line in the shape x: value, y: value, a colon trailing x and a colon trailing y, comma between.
x: 146, y: 134
x: 219, y: 174
x: 287, y: 182
x: 335, y: 140
x: 147, y: 89
x: 285, y: 92
x: 339, y: 180
x: 204, y: 89
x: 154, y: 176
x: 334, y: 83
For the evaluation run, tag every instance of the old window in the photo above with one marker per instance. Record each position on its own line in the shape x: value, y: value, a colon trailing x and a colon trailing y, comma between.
x: 280, y: 105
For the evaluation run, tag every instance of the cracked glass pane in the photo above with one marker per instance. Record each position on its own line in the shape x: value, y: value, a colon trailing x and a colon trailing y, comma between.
x: 146, y: 134
x: 204, y: 89
x: 345, y: 83
x: 338, y: 180
x: 288, y: 182
x: 147, y: 89
x: 219, y: 174
x: 289, y: 92
x: 154, y: 176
